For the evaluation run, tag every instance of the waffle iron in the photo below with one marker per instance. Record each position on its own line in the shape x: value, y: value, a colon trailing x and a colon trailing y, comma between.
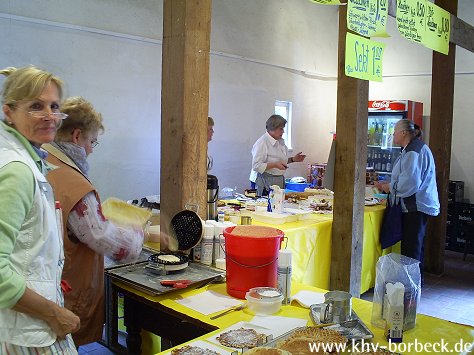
x: 186, y: 229
x: 157, y: 262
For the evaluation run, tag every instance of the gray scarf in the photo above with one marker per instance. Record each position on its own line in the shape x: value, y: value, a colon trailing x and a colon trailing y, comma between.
x: 76, y: 153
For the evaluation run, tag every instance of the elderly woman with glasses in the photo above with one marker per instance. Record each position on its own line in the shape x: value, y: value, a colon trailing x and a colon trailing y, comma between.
x: 413, y: 182
x: 270, y: 156
x: 32, y: 317
x: 87, y: 234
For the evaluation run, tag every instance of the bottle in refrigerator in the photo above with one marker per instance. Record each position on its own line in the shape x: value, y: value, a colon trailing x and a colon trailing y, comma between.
x: 372, y: 133
x: 384, y: 141
x: 389, y: 162
x: 391, y: 130
x: 376, y: 134
x: 384, y: 162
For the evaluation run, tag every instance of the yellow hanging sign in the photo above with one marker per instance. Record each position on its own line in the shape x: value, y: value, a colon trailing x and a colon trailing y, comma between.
x: 364, y: 58
x: 368, y: 17
x: 438, y: 28
x: 328, y: 2
x: 411, y: 19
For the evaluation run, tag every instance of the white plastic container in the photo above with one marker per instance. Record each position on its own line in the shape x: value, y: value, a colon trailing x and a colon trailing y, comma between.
x: 264, y: 300
x: 207, y: 245
x: 276, y: 196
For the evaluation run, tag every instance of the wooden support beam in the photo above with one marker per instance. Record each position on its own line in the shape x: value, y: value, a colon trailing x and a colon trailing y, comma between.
x: 462, y: 33
x: 184, y: 106
x: 349, y: 176
x: 441, y: 124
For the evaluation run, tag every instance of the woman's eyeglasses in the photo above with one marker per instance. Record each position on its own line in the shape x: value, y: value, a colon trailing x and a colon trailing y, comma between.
x: 41, y: 115
x: 94, y: 144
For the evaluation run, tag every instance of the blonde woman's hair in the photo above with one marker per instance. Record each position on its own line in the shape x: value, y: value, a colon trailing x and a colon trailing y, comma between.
x: 82, y: 115
x: 26, y: 83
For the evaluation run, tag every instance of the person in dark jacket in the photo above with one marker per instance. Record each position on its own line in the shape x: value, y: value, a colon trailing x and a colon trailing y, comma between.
x: 414, y: 183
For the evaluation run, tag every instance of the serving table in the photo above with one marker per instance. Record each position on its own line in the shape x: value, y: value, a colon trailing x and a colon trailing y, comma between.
x: 179, y: 324
x: 310, y: 242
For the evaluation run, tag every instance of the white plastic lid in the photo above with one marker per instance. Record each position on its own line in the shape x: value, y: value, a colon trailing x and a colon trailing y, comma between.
x: 264, y: 294
x: 284, y: 258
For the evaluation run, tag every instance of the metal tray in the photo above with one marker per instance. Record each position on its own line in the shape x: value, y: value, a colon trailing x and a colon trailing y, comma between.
x: 148, y: 281
x: 356, y: 332
x: 273, y: 343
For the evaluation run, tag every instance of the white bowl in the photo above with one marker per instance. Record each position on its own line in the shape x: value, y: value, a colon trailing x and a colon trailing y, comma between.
x: 264, y: 300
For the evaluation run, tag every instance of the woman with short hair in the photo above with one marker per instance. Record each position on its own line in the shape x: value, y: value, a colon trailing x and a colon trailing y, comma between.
x: 88, y: 236
x: 270, y: 156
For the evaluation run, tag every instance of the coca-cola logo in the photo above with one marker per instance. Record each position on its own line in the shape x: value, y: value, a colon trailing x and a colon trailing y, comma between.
x: 381, y: 104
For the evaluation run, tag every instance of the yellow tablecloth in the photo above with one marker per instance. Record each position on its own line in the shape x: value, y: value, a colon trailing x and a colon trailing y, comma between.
x: 428, y: 330
x: 310, y: 241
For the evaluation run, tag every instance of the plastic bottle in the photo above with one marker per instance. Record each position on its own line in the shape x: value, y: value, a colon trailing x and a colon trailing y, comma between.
x: 391, y: 130
x: 220, y: 216
x: 284, y: 274
x: 372, y: 133
x: 376, y: 134
x: 389, y: 162
x: 207, y: 245
x: 384, y: 162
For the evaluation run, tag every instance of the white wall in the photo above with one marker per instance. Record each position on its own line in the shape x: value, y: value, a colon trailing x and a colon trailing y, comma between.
x: 262, y: 51
x: 122, y: 77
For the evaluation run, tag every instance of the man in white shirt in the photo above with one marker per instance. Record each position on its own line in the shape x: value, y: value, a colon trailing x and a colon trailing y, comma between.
x: 270, y: 156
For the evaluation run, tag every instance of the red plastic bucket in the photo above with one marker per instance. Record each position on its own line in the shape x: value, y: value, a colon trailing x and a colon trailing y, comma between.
x: 251, y: 261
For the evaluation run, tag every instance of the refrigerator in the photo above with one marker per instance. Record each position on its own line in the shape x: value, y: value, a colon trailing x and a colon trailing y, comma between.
x: 383, y: 115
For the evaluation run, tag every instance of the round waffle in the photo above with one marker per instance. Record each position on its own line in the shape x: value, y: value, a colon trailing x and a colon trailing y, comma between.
x: 298, y: 346
x: 303, y: 336
x: 263, y: 350
x: 241, y: 338
x: 320, y: 335
x: 193, y: 350
x: 168, y: 259
x: 379, y: 351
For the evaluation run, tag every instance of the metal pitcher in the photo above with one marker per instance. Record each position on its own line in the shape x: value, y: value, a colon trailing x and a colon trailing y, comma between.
x: 337, y: 307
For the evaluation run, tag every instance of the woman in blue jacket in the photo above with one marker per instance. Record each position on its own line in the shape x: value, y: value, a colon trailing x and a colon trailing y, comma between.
x: 414, y: 182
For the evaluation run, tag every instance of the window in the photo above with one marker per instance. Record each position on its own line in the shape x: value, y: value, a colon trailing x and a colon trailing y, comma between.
x: 283, y: 108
